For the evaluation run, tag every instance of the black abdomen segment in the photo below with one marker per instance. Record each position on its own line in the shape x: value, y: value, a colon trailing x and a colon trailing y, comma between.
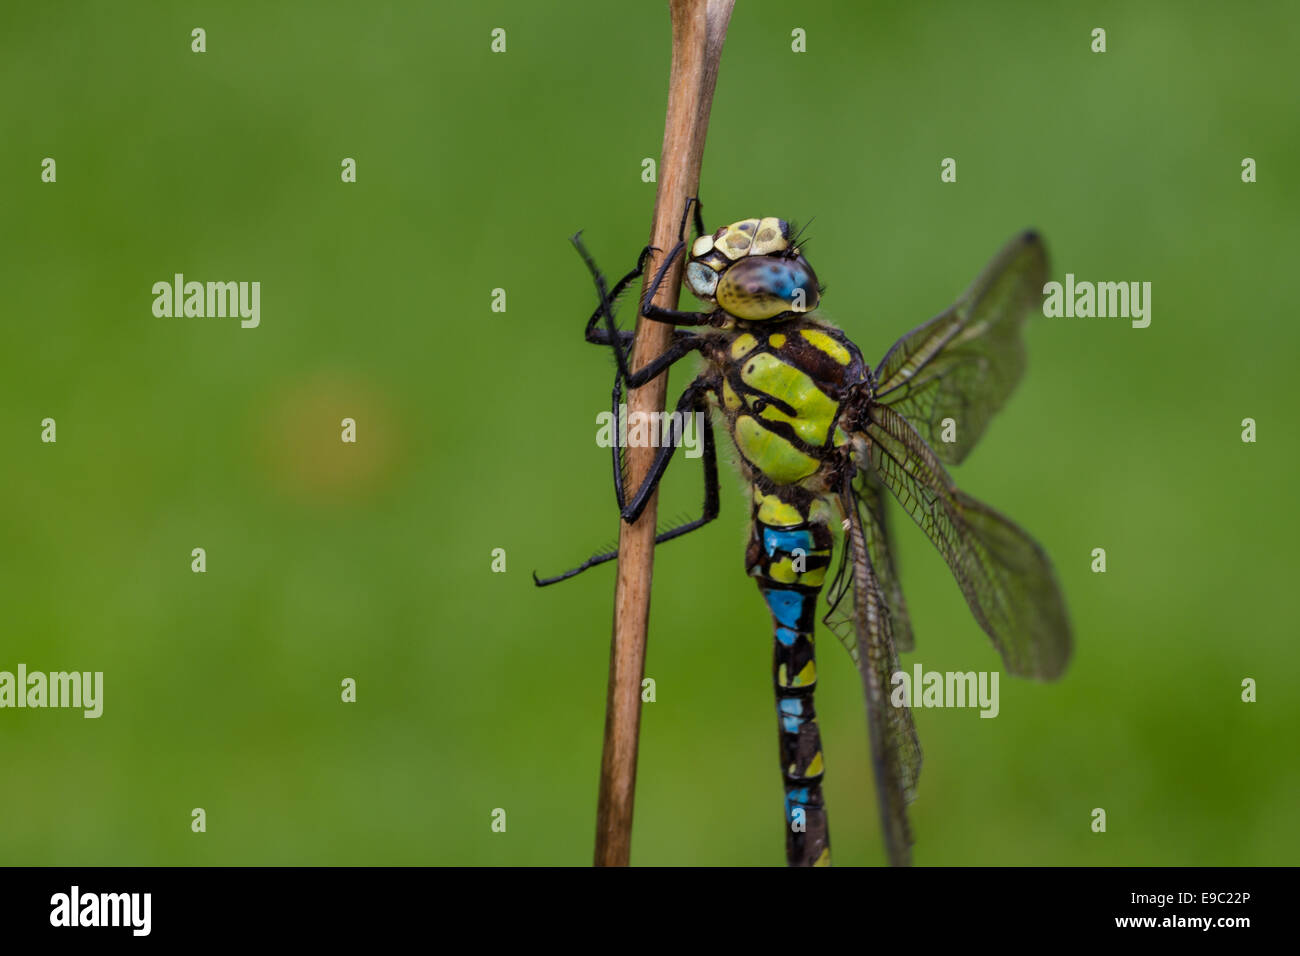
x: 789, y: 563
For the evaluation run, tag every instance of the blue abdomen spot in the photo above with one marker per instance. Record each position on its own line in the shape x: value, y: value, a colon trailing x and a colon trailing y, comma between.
x: 787, y: 541
x: 786, y: 636
x: 791, y: 714
x: 796, y: 798
x: 787, y: 607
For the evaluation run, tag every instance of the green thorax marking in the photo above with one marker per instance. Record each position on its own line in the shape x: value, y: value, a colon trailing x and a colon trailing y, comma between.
x: 782, y: 388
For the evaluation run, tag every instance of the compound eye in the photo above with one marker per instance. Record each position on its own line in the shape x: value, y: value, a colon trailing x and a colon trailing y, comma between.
x: 702, y: 247
x: 763, y: 287
x: 702, y: 280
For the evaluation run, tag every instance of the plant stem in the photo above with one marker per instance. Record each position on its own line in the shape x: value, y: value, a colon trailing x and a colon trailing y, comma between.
x: 698, y: 30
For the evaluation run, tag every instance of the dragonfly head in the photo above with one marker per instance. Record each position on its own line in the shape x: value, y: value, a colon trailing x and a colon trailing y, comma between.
x: 753, y: 271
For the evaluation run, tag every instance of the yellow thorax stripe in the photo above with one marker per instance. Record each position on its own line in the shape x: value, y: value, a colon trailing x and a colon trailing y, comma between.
x: 814, y: 409
x: 770, y: 453
x: 827, y: 344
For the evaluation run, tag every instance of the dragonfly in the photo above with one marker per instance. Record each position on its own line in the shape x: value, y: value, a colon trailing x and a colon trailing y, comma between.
x: 822, y: 440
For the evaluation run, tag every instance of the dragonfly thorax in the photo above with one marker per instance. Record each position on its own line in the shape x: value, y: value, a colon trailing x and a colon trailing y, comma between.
x: 782, y: 391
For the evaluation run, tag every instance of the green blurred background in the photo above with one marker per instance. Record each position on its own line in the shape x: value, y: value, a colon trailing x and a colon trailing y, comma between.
x: 476, y: 429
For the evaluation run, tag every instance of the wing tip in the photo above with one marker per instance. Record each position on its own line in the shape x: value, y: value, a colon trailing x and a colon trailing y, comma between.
x: 1043, y: 667
x: 1033, y: 239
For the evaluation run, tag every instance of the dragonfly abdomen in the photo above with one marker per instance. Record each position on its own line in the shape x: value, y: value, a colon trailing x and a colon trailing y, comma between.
x: 789, y: 560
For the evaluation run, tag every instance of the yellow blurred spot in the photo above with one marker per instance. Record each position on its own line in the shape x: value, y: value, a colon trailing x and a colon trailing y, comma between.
x: 301, y: 445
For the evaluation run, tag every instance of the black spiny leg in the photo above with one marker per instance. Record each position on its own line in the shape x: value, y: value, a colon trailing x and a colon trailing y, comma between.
x: 675, y: 316
x: 694, y: 398
x: 691, y: 400
x: 604, y: 336
x: 679, y: 348
x: 692, y: 203
x: 675, y: 351
x: 601, y: 336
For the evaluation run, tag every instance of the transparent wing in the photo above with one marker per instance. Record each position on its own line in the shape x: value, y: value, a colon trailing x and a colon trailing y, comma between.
x: 871, y: 510
x: 1006, y: 577
x: 966, y: 361
x: 860, y: 618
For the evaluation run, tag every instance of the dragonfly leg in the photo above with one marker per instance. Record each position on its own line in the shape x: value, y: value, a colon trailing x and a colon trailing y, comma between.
x: 692, y: 400
x: 693, y: 203
x: 696, y: 398
x: 671, y: 316
x: 676, y: 316
x: 708, y: 513
x: 621, y: 342
x: 602, y: 336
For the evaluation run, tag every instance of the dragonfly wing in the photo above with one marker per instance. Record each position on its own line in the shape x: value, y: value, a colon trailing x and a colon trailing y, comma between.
x: 965, y: 362
x: 1006, y: 577
x: 871, y: 509
x: 860, y: 618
